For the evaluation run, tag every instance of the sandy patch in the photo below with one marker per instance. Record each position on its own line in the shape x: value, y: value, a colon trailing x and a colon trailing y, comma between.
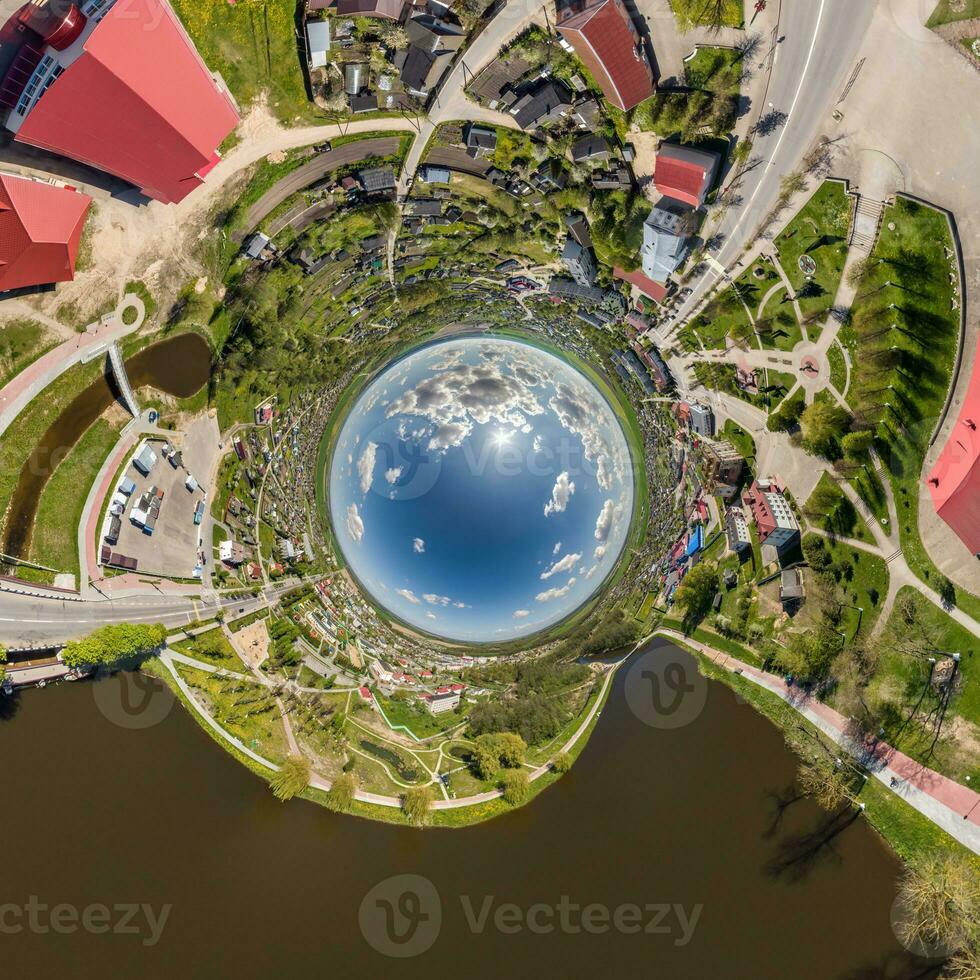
x: 252, y: 643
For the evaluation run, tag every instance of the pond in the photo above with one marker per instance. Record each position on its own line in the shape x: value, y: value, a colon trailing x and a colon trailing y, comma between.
x: 105, y: 811
x: 179, y: 366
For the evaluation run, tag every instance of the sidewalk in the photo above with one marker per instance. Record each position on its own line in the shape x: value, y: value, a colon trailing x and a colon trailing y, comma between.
x: 37, y: 376
x: 952, y: 807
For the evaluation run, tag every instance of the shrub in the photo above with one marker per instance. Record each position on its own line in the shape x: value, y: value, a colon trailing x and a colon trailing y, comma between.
x: 516, y: 786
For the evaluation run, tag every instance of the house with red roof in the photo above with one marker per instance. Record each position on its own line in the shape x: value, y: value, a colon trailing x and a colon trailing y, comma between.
x: 40, y: 231
x: 685, y: 173
x: 604, y: 36
x: 117, y: 85
x: 954, y: 481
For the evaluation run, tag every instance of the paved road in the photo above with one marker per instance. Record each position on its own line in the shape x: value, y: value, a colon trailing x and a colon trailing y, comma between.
x: 317, y: 168
x: 26, y: 619
x: 810, y: 69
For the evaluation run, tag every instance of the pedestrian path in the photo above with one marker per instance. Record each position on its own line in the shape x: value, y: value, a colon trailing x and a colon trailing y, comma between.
x: 952, y: 807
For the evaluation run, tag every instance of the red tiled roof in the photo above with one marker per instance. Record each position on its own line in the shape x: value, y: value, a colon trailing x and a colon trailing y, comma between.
x: 40, y: 229
x: 680, y: 179
x: 604, y: 37
x: 138, y: 102
x: 955, y: 479
x: 655, y: 290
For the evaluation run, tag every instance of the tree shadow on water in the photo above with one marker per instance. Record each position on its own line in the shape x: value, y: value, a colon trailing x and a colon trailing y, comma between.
x: 9, y: 706
x: 797, y: 854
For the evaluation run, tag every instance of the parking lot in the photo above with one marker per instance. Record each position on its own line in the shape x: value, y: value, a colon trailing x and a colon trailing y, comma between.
x: 172, y: 549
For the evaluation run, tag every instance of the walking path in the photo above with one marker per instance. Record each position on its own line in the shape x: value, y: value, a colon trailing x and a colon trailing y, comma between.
x: 170, y: 657
x: 22, y: 389
x: 952, y: 807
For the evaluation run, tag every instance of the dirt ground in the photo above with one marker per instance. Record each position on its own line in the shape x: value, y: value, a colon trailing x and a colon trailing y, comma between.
x: 252, y: 643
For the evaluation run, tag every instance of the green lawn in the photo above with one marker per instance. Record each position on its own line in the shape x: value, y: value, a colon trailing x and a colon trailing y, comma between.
x: 212, y: 647
x: 840, y: 517
x: 864, y: 580
x: 699, y: 13
x: 416, y: 718
x: 21, y: 343
x: 254, y: 47
x: 820, y: 231
x: 949, y: 11
x: 720, y: 317
x: 55, y: 538
x: 838, y: 368
x: 715, y: 69
x: 740, y: 439
x: 913, y: 259
x: 954, y: 758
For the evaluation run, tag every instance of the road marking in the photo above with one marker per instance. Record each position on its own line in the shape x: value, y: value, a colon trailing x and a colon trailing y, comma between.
x: 796, y: 97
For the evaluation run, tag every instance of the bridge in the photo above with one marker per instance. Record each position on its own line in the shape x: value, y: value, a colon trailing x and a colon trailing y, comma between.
x: 118, y: 368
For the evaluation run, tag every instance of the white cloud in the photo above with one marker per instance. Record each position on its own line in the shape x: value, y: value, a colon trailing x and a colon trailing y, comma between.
x: 604, y: 522
x: 460, y: 605
x: 418, y: 546
x: 521, y: 613
x: 392, y: 475
x: 549, y: 594
x: 599, y: 552
x: 591, y: 571
x: 431, y: 615
x: 556, y: 548
x: 355, y: 526
x: 365, y: 465
x: 409, y: 595
x: 565, y: 564
x: 538, y: 444
x: 436, y: 600
x: 560, y: 493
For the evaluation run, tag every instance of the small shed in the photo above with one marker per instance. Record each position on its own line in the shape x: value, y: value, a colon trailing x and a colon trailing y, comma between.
x: 317, y: 42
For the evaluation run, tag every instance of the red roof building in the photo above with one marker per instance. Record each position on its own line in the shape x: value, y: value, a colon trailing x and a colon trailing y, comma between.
x: 773, y: 516
x: 684, y: 173
x: 955, y: 479
x: 128, y: 95
x: 389, y: 9
x: 605, y: 38
x: 40, y: 230
x: 654, y: 290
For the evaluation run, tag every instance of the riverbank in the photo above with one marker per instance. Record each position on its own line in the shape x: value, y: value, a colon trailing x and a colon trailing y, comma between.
x: 914, y: 809
x: 448, y: 812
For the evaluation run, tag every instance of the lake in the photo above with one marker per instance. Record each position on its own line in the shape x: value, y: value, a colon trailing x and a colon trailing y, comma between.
x: 664, y: 830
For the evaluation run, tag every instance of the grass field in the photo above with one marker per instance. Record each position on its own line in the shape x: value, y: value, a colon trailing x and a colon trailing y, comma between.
x: 55, y: 541
x: 698, y: 13
x: 838, y: 369
x: 950, y: 11
x: 715, y: 69
x: 841, y: 518
x: 913, y: 273
x: 24, y: 433
x: 819, y: 230
x: 254, y: 47
x: 21, y: 343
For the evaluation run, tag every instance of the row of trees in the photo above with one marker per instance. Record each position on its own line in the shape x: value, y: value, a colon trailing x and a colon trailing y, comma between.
x: 110, y: 645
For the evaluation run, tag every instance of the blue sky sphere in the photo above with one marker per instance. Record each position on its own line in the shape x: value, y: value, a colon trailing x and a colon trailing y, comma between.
x: 481, y: 488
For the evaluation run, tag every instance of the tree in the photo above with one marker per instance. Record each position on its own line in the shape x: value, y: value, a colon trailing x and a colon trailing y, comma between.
x: 860, y: 271
x: 857, y: 445
x: 3, y: 660
x: 394, y: 36
x: 561, y: 763
x: 694, y: 594
x: 786, y: 416
x: 342, y: 791
x: 823, y: 423
x: 109, y: 645
x: 516, y: 786
x: 292, y: 778
x: 417, y: 805
x: 493, y: 750
x: 940, y: 900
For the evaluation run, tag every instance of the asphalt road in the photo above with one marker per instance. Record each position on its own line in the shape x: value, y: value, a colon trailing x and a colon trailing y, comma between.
x: 810, y: 69
x: 25, y: 620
